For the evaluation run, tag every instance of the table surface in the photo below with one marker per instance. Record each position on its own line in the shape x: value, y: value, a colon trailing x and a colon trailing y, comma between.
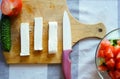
x: 83, y: 54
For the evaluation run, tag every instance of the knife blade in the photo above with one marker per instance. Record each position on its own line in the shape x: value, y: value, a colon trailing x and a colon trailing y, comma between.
x: 67, y: 46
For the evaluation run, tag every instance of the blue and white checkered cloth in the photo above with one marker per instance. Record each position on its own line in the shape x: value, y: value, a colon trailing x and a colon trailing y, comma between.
x: 83, y: 55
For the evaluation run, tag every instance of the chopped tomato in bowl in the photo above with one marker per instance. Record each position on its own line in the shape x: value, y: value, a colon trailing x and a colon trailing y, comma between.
x: 108, y: 55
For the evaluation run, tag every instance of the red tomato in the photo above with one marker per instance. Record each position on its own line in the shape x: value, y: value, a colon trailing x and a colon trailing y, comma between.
x: 11, y: 7
x: 109, y: 53
x: 104, y: 43
x: 111, y: 74
x: 100, y: 53
x: 118, y: 65
x: 102, y: 68
x: 118, y: 56
x: 117, y: 74
x: 102, y: 48
x: 116, y: 50
x: 110, y: 63
x: 112, y: 48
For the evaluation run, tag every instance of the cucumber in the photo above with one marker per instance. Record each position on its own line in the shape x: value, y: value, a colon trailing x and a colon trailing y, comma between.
x: 113, y: 42
x: 5, y: 26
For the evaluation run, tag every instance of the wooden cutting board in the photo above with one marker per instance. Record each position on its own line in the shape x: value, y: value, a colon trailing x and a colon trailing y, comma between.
x: 50, y: 10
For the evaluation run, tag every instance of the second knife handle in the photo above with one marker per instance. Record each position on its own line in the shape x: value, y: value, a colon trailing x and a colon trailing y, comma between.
x: 66, y: 64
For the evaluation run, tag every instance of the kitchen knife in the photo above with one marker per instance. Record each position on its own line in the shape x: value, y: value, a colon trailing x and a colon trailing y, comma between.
x: 67, y: 46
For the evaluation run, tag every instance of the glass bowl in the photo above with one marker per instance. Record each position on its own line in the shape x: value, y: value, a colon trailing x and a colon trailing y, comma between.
x: 107, y: 57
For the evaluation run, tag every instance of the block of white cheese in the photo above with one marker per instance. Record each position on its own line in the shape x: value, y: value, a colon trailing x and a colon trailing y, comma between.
x: 38, y: 29
x: 25, y: 42
x: 53, y: 38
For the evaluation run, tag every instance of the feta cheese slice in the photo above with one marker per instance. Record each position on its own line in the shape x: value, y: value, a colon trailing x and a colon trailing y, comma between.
x: 53, y: 41
x: 38, y: 29
x: 24, y: 34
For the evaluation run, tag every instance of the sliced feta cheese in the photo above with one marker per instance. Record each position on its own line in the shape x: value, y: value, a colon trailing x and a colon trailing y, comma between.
x: 38, y: 29
x: 24, y: 34
x: 53, y: 41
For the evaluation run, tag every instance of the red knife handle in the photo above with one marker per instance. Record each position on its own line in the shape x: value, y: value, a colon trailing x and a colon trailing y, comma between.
x: 66, y: 64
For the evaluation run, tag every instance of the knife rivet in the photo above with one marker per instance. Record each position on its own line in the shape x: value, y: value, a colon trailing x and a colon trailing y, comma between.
x: 100, y: 30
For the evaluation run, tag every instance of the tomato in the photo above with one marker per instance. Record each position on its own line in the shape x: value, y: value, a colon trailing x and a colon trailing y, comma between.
x: 118, y: 65
x: 104, y: 43
x: 117, y: 74
x: 112, y: 74
x: 102, y: 68
x: 110, y: 63
x: 116, y: 50
x: 101, y: 53
x: 118, y: 56
x: 11, y: 7
x: 108, y: 52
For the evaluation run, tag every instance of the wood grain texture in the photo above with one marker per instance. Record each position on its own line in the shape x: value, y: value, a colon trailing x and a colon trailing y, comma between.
x: 50, y: 10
